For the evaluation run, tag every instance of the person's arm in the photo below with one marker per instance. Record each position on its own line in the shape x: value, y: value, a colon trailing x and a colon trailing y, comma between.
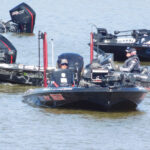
x: 130, y: 67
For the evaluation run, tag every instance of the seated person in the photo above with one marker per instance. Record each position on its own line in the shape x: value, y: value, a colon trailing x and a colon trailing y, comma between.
x: 62, y: 77
x: 63, y: 64
x: 132, y: 64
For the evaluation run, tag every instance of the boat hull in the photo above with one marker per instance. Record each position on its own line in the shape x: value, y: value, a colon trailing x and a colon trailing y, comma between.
x: 99, y: 98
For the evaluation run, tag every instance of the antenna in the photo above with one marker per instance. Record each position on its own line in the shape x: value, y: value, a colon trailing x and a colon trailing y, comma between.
x: 39, y: 37
x: 52, y: 44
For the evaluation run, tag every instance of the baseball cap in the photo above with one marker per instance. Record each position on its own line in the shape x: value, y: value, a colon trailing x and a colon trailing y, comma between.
x: 64, y: 61
x: 130, y: 50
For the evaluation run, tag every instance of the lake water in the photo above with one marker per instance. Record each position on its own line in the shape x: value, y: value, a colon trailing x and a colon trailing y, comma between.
x: 68, y: 22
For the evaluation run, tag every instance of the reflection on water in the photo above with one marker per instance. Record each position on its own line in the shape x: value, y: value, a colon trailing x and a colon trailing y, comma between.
x: 21, y: 34
x: 14, y: 88
x: 95, y: 114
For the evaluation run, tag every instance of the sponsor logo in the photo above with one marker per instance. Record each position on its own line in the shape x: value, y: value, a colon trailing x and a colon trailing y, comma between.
x: 57, y: 97
x: 66, y: 88
x: 45, y: 97
x: 63, y: 75
x: 17, y: 12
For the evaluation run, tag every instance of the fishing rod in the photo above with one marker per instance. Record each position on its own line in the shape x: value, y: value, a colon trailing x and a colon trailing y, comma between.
x: 145, y: 31
x: 117, y: 32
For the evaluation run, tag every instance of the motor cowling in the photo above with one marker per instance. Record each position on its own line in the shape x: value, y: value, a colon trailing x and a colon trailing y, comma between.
x: 24, y: 16
x: 7, y: 51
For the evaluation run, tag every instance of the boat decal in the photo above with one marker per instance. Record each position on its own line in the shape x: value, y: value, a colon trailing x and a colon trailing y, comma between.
x: 17, y: 12
x: 57, y: 97
x: 67, y: 88
x: 47, y: 98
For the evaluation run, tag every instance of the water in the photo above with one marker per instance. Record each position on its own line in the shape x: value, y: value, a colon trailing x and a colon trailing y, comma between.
x: 26, y: 127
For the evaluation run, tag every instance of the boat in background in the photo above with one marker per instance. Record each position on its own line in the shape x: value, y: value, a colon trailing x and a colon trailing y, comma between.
x: 22, y: 20
x: 12, y: 72
x: 117, y: 43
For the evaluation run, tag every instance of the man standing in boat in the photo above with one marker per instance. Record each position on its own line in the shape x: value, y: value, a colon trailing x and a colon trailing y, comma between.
x: 132, y: 64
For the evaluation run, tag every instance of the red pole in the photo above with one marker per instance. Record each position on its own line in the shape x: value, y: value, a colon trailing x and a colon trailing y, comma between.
x: 45, y: 60
x: 91, y: 47
x: 11, y: 59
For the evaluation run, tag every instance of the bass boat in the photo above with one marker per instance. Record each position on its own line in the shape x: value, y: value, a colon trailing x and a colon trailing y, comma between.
x: 118, y: 42
x: 98, y: 86
x: 12, y: 72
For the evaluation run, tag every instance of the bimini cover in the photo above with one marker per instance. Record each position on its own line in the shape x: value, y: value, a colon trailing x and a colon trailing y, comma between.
x: 24, y: 16
x: 7, y: 51
x: 75, y: 61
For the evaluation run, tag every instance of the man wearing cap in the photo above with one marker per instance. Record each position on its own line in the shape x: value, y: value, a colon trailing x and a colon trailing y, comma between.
x: 63, y: 64
x: 63, y: 77
x: 132, y: 64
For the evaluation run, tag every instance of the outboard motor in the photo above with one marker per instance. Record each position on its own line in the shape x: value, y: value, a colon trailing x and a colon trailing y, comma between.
x: 22, y: 20
x: 102, y: 31
x: 7, y: 51
x: 75, y: 63
x: 24, y: 16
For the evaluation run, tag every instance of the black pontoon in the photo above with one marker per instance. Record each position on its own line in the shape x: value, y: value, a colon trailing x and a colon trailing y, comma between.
x: 117, y: 43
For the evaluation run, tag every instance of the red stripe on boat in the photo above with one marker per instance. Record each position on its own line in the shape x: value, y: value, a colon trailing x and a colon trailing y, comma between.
x: 11, y: 57
x: 57, y: 97
x: 31, y: 18
x: 56, y: 85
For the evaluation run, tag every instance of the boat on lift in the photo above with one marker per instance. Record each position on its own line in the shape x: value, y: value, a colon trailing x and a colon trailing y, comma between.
x: 98, y: 86
x: 22, y: 20
x: 117, y: 43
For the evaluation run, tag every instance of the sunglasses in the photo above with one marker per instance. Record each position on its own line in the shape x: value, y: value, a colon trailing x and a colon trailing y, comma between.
x: 64, y: 64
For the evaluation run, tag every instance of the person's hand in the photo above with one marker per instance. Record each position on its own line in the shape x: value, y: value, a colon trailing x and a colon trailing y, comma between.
x: 117, y: 67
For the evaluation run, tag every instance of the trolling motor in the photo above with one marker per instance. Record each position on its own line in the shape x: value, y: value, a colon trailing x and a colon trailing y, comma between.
x: 22, y: 20
x: 134, y: 33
